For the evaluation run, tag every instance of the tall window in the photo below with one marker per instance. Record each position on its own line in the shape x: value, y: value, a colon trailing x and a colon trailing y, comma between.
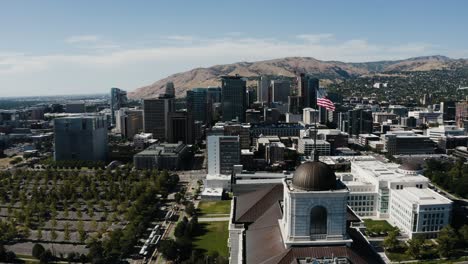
x: 318, y: 220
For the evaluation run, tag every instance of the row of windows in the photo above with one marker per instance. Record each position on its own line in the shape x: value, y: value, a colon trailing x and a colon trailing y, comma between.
x: 432, y: 228
x: 365, y: 213
x: 361, y: 198
x: 363, y: 209
x: 433, y: 209
x: 365, y: 189
x: 436, y: 215
x: 361, y: 203
x: 401, y: 215
x: 433, y: 221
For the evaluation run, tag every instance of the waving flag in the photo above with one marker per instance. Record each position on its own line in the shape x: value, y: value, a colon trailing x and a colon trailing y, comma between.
x: 326, y: 103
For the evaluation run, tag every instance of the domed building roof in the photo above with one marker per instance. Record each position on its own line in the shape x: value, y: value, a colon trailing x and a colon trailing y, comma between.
x: 410, y: 166
x: 314, y: 176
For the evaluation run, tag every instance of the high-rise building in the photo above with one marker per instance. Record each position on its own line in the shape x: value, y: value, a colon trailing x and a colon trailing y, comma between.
x: 263, y: 89
x: 359, y: 121
x: 310, y: 95
x: 170, y: 90
x: 307, y: 89
x: 214, y: 94
x: 448, y: 109
x: 407, y: 143
x: 129, y: 122
x: 280, y: 90
x: 234, y: 101
x: 180, y: 127
x: 155, y: 116
x: 295, y: 105
x: 251, y: 96
x: 223, y: 154
x: 198, y: 105
x: 80, y: 138
x: 118, y: 99
x: 461, y: 114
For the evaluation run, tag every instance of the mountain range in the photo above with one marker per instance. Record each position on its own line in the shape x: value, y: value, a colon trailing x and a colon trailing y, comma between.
x: 327, y: 71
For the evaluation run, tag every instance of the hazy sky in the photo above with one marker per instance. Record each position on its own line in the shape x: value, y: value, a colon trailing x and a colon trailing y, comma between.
x: 75, y: 47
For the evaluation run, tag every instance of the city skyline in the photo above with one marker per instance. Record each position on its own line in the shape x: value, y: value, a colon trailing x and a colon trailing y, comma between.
x: 89, y: 47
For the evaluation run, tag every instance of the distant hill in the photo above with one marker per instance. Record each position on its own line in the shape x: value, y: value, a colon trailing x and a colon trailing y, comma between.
x: 329, y: 71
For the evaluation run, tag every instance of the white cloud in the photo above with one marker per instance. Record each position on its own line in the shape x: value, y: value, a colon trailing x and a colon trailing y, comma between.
x: 315, y: 38
x: 82, y: 39
x: 182, y: 38
x: 133, y: 67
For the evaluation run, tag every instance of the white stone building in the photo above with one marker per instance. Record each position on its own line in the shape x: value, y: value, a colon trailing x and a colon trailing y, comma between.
x: 307, y: 145
x: 398, y: 193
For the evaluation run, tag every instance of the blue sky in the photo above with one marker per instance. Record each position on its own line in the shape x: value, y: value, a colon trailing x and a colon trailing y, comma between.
x: 74, y: 47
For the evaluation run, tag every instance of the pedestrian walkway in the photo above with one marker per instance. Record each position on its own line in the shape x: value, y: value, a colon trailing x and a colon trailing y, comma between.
x: 213, y: 219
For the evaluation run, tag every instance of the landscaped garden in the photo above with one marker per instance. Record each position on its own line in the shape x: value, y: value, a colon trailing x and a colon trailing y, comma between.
x: 449, y: 247
x: 377, y: 227
x: 214, y: 238
x: 80, y: 212
x: 215, y: 207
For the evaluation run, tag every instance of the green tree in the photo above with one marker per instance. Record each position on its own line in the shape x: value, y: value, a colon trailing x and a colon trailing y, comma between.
x: 53, y: 222
x: 39, y: 234
x: 81, y: 232
x: 66, y: 232
x: 180, y: 227
x: 446, y: 241
x: 391, y: 241
x: 168, y: 249
x: 190, y: 209
x: 94, y: 225
x: 53, y: 235
x: 178, y: 197
x: 65, y: 212
x: 463, y: 231
x: 414, y: 247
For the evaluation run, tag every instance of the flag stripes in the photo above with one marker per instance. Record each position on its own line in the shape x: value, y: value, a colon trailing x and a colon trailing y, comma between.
x: 326, y: 103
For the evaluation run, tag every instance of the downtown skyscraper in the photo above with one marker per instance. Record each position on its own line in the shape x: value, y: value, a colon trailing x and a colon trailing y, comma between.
x: 234, y: 102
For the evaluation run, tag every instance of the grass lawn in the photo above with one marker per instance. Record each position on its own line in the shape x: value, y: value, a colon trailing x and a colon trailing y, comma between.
x: 214, y: 207
x: 377, y: 226
x: 214, y: 238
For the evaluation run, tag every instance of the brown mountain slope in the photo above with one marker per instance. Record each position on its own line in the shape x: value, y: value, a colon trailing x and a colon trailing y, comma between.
x: 327, y: 70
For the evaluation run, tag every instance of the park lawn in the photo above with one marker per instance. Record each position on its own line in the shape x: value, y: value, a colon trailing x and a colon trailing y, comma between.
x: 215, y: 238
x: 377, y: 226
x: 215, y: 207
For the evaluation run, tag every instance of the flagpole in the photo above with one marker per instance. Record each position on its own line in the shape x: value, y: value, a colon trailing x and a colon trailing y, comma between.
x: 315, y: 127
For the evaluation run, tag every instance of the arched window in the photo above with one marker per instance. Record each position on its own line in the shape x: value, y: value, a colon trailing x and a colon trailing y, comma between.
x: 318, y: 220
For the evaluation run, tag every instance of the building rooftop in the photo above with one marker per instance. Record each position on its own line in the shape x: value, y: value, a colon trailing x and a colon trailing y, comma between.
x: 163, y: 149
x: 424, y: 196
x: 386, y: 171
x: 311, y: 141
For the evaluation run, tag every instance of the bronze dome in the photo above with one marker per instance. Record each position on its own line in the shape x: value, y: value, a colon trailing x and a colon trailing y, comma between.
x: 411, y: 166
x: 314, y: 176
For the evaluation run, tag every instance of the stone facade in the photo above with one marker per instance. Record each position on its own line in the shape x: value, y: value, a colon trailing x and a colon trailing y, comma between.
x: 296, y: 222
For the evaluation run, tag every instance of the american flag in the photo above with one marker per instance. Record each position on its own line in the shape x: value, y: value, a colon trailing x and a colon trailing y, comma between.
x: 326, y: 103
